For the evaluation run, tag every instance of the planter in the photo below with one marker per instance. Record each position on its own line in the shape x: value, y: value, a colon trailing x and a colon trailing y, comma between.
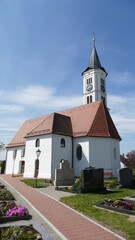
x: 14, y: 218
x: 19, y: 232
x: 5, y: 195
x: 116, y: 209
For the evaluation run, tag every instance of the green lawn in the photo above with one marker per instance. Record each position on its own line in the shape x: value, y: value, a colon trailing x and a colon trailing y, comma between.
x: 85, y: 203
x: 41, y: 183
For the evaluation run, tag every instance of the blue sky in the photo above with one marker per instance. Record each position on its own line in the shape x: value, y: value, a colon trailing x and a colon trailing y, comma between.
x: 46, y: 45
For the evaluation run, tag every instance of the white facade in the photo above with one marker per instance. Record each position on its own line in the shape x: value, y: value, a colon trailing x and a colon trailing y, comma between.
x: 94, y: 86
x: 13, y: 165
x: 50, y: 157
x: 97, y: 152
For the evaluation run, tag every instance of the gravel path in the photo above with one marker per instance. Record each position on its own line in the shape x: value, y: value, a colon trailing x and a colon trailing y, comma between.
x: 56, y: 194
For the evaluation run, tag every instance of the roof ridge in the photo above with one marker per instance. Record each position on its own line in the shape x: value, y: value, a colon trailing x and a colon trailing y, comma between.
x: 39, y: 124
x: 94, y: 119
x: 105, y: 114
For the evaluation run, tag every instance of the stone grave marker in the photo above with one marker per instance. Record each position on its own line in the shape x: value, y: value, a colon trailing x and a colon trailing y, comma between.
x: 125, y: 177
x: 65, y: 175
x: 92, y: 179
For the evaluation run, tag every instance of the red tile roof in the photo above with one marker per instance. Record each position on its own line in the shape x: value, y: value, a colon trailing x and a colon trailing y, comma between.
x: 87, y: 120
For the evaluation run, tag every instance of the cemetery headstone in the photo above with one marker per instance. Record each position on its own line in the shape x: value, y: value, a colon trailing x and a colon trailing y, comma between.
x: 125, y: 177
x: 65, y: 175
x: 92, y: 179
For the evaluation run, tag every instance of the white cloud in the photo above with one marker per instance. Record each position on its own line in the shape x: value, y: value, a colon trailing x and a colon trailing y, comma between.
x: 114, y: 101
x: 41, y: 97
x: 122, y: 78
x: 10, y: 108
x: 123, y: 113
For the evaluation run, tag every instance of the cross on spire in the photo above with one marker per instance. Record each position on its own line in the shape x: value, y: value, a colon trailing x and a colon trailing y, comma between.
x: 94, y: 38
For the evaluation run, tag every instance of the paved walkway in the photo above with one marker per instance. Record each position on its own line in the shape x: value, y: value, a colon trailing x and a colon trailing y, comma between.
x: 69, y: 223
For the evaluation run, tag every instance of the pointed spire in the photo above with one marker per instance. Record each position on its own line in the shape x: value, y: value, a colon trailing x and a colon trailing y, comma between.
x: 94, y: 62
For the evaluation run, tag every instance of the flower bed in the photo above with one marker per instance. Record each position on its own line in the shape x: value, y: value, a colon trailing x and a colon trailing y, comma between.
x: 119, y: 205
x: 5, y: 195
x: 21, y: 232
x: 9, y: 211
x: 4, y: 206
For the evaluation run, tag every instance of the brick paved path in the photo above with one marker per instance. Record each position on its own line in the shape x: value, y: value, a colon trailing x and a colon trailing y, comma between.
x: 72, y: 225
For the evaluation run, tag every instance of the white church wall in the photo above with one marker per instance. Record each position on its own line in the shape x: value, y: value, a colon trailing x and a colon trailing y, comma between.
x: 102, y: 154
x: 97, y: 152
x: 84, y: 162
x: 13, y: 165
x: 60, y: 152
x: 9, y: 161
x: 44, y: 158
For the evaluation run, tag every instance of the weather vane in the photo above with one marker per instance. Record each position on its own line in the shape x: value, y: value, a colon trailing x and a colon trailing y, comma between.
x: 94, y: 38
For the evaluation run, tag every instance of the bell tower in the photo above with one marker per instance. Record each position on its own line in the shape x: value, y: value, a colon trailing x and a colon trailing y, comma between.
x: 94, y: 79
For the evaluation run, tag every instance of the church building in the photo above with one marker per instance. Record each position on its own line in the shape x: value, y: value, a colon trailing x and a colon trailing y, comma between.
x: 84, y: 135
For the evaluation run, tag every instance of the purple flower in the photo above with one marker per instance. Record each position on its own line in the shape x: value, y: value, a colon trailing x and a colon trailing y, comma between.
x: 17, y: 211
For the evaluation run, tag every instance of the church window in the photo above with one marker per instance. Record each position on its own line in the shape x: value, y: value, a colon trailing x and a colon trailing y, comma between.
x: 102, y: 81
x: 115, y: 153
x: 37, y: 144
x: 90, y: 98
x: 62, y: 142
x: 79, y: 152
x: 23, y: 152
x: 89, y: 80
x: 14, y: 153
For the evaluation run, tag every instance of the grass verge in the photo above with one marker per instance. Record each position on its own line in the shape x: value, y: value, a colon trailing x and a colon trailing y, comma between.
x: 85, y: 203
x: 41, y: 183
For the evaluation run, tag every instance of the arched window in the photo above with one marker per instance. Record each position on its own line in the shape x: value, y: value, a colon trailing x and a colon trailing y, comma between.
x: 37, y: 144
x: 87, y: 99
x: 14, y: 153
x: 23, y: 152
x: 90, y: 98
x: 79, y: 152
x: 62, y: 142
x: 114, y: 153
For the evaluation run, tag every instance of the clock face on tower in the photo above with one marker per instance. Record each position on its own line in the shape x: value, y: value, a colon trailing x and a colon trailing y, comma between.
x: 89, y: 87
x: 102, y: 88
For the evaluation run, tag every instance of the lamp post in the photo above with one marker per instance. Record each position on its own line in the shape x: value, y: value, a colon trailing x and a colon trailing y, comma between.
x: 38, y: 154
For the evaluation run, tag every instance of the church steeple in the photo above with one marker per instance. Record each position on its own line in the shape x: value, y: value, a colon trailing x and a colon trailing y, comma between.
x: 94, y: 62
x: 94, y: 82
